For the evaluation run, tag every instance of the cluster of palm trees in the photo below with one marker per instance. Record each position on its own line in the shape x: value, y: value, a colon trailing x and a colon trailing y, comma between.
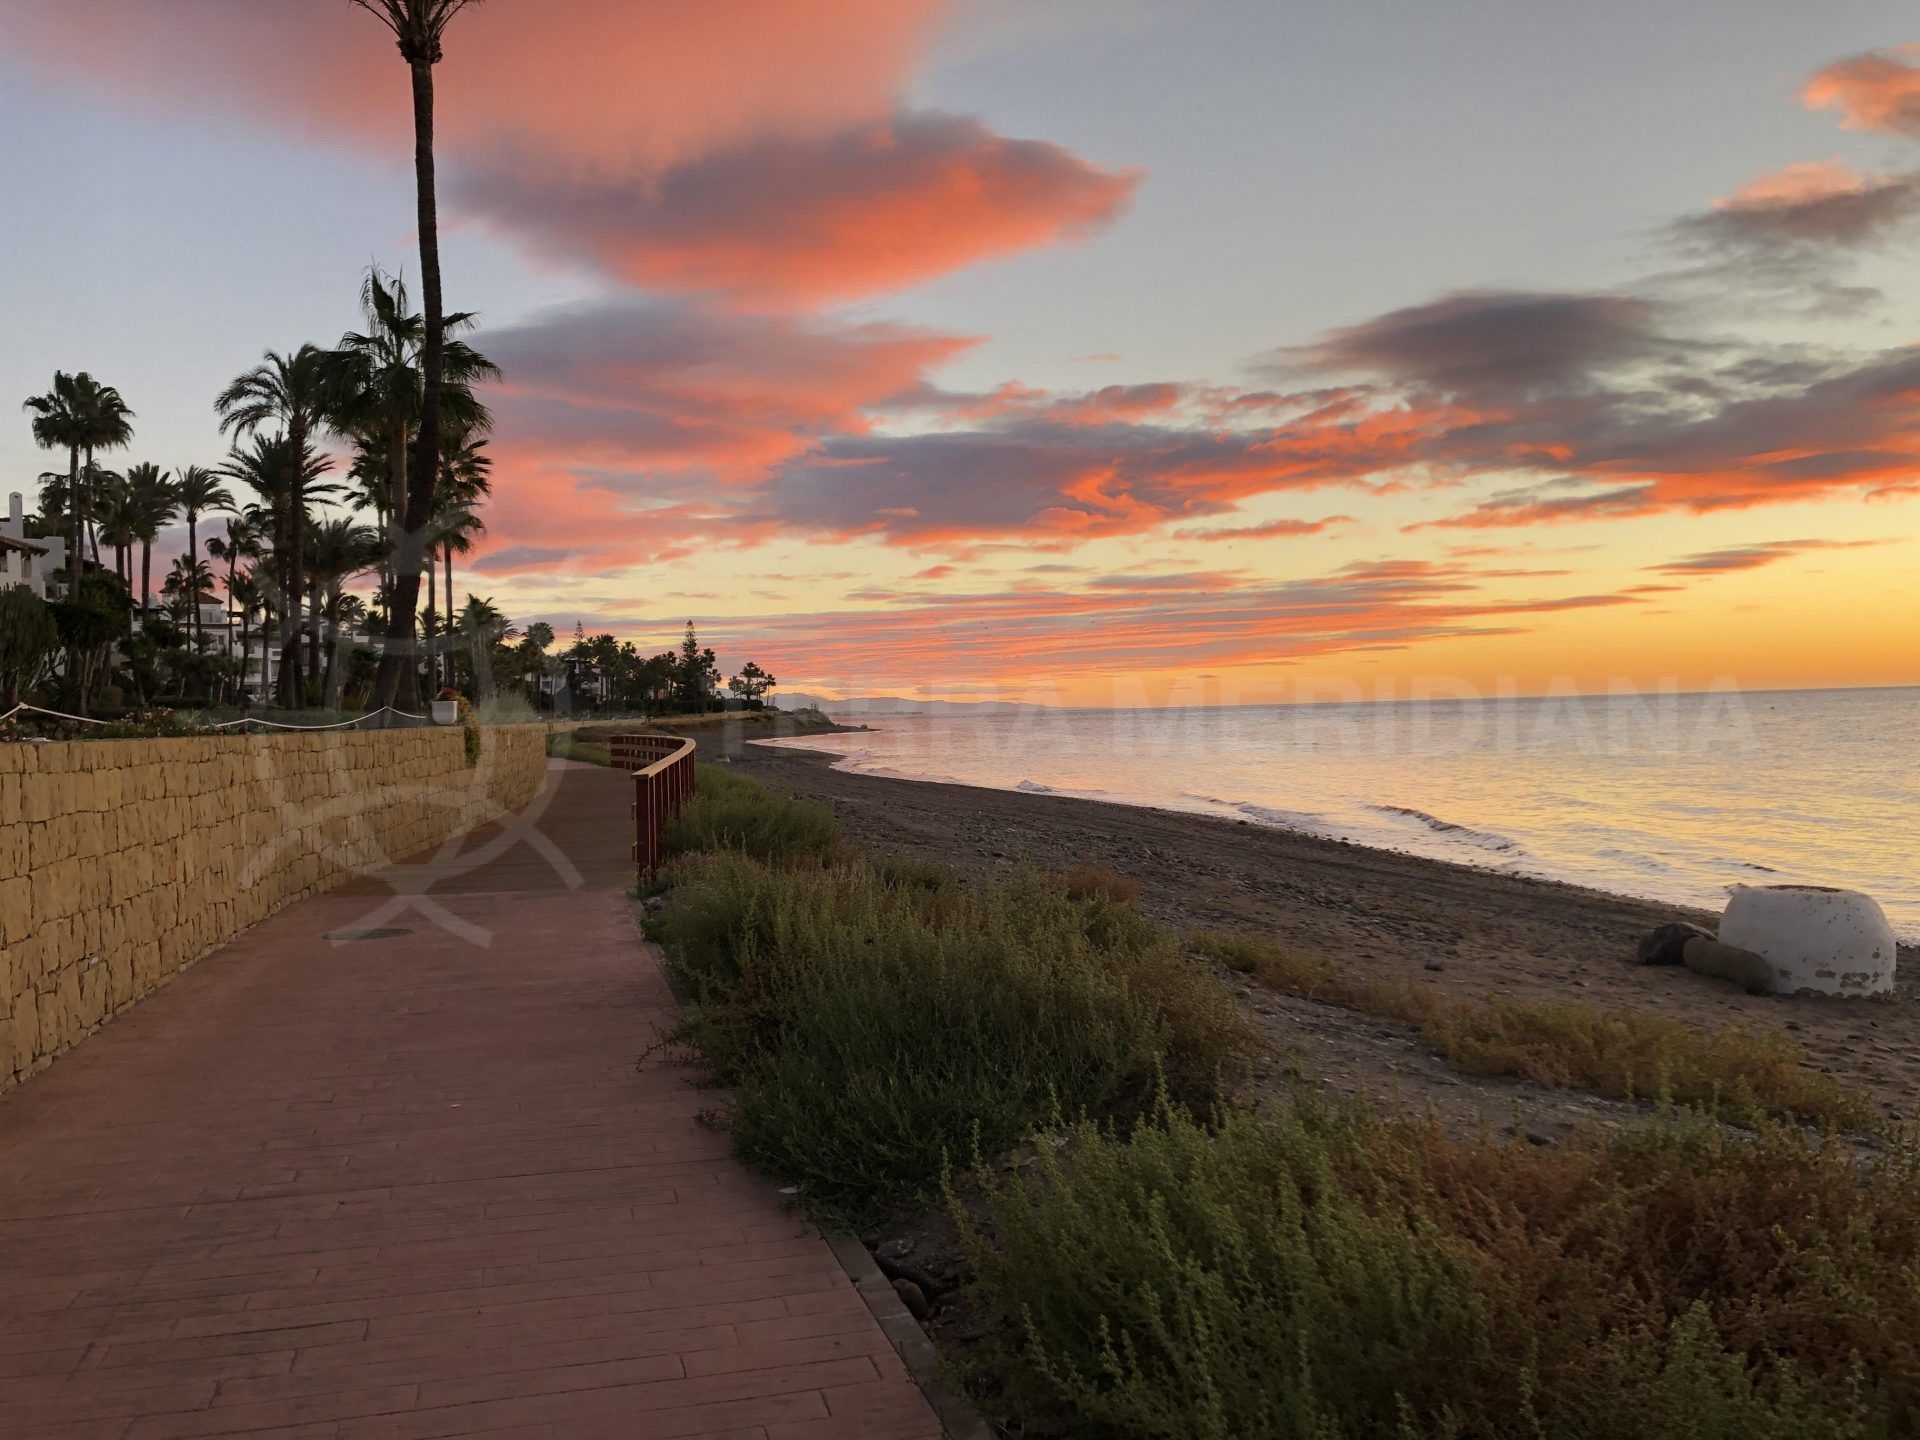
x: 400, y: 394
x: 285, y: 559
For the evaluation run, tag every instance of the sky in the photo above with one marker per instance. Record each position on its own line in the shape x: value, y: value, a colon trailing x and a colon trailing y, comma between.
x: 1086, y: 351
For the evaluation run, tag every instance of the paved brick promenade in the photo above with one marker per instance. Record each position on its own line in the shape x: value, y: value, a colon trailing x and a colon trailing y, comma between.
x: 415, y: 1186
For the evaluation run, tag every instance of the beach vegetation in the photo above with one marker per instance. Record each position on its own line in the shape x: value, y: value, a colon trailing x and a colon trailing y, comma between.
x: 733, y: 815
x: 877, y: 1022
x: 1087, y: 880
x: 1618, y: 1052
x: 1322, y: 1272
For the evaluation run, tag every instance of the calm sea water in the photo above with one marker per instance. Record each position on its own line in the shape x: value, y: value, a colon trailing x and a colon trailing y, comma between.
x: 1672, y: 797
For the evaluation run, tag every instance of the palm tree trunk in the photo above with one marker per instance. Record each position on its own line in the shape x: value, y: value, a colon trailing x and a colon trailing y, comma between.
x: 76, y: 541
x: 398, y: 682
x: 146, y: 577
x: 293, y: 680
x: 313, y: 635
x: 447, y: 555
x: 86, y: 528
x: 193, y: 561
x: 433, y: 651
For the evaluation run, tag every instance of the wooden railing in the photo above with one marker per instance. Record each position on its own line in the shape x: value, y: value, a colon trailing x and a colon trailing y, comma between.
x: 662, y: 767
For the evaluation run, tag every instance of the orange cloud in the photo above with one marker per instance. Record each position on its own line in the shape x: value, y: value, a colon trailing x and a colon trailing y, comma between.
x: 1271, y: 530
x: 1130, y: 624
x: 1877, y: 90
x: 801, y: 221
x: 754, y: 149
x: 652, y: 393
x: 635, y: 84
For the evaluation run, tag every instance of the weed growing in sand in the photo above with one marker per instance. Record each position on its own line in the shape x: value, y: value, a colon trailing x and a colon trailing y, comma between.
x: 1271, y: 964
x: 1624, y: 1054
x: 876, y: 1020
x: 1325, y: 1273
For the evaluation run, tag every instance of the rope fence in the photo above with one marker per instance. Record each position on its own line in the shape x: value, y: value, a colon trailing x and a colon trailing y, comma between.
x: 354, y: 723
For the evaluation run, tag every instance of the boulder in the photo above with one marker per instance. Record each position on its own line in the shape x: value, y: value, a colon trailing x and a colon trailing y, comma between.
x: 1815, y: 939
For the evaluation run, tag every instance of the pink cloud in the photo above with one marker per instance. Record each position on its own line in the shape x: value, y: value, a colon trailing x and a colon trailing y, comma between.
x: 636, y: 84
x: 789, y: 221
x: 1877, y: 90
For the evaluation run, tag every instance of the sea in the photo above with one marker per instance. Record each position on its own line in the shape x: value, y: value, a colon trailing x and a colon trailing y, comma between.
x: 1668, y: 796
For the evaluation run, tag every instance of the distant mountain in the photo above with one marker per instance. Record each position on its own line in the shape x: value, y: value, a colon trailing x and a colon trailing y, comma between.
x: 900, y: 705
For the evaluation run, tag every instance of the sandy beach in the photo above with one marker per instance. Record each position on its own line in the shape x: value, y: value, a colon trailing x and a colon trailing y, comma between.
x: 1462, y: 931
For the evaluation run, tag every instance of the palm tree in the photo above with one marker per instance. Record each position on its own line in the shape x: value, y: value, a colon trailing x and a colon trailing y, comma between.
x: 114, y: 517
x: 379, y: 404
x: 286, y: 477
x: 292, y: 392
x: 200, y: 491
x: 155, y: 503
x: 241, y: 542
x: 247, y: 592
x: 79, y: 415
x: 466, y: 479
x: 342, y: 548
x: 454, y: 530
x: 188, y: 586
x: 481, y: 627
x: 420, y: 27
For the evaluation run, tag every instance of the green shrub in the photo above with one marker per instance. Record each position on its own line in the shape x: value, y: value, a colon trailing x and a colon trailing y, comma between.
x: 731, y: 813
x: 875, y: 1020
x: 28, y: 639
x: 1326, y: 1274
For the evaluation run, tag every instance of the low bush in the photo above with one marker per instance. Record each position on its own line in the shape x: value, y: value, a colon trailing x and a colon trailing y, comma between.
x: 1622, y: 1054
x: 732, y: 814
x: 1326, y: 1274
x: 875, y: 1020
x: 1087, y: 880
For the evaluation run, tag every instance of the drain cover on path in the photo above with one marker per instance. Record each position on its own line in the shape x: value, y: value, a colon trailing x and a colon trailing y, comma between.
x: 347, y: 937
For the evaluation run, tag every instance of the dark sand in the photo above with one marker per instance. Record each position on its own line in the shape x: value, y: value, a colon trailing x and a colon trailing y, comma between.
x: 1466, y: 933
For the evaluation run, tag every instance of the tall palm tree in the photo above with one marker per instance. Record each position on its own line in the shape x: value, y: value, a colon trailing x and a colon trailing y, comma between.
x: 199, y: 491
x: 188, y: 586
x: 248, y: 592
x: 454, y: 529
x: 466, y: 479
x: 481, y: 627
x: 241, y: 542
x: 81, y: 416
x: 292, y: 392
x: 116, y: 517
x: 420, y: 27
x: 155, y: 503
x: 380, y: 404
x: 342, y: 549
x: 286, y: 477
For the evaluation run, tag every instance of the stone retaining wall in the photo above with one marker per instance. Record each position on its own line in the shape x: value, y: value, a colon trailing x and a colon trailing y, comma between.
x: 123, y: 861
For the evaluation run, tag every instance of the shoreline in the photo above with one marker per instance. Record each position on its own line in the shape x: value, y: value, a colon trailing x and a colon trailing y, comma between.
x: 1464, y: 932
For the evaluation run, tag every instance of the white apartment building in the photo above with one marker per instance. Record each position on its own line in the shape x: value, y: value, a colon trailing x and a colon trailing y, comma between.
x: 28, y: 562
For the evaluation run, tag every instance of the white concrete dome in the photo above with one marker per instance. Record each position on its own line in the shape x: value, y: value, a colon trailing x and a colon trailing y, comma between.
x: 1831, y: 942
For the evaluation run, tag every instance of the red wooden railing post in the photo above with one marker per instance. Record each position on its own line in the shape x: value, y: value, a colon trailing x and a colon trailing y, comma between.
x: 663, y: 783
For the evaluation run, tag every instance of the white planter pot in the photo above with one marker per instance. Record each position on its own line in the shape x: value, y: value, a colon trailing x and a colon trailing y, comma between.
x: 1831, y: 942
x: 445, y: 712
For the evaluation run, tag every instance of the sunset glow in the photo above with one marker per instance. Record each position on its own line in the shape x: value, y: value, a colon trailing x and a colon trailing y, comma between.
x: 831, y: 327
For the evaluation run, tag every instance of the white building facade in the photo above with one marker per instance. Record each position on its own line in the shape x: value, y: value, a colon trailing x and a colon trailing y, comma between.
x: 28, y: 562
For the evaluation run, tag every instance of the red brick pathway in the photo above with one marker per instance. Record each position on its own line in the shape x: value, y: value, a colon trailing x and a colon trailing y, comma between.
x: 415, y: 1186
